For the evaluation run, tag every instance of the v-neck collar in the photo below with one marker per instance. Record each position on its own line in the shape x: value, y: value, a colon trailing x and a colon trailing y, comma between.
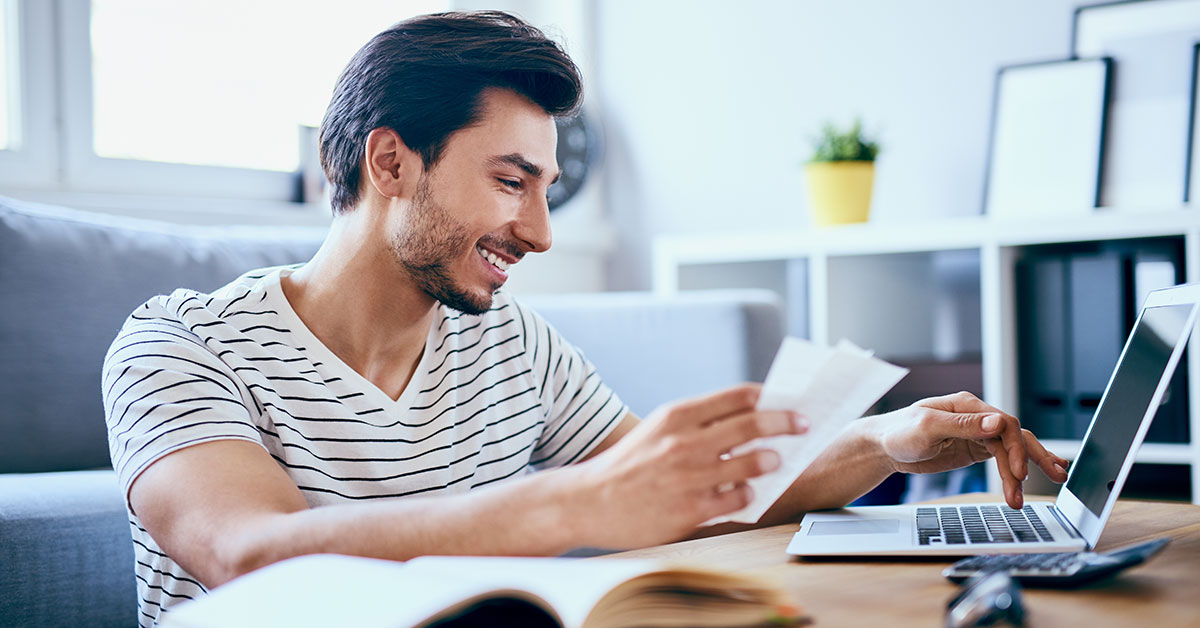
x: 332, y: 364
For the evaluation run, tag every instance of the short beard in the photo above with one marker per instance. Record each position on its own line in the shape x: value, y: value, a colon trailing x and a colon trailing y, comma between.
x: 427, y: 246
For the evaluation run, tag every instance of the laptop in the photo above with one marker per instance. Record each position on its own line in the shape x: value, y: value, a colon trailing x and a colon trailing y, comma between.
x: 1071, y: 523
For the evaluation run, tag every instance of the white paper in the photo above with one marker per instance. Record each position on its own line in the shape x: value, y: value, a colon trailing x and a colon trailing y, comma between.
x: 828, y: 386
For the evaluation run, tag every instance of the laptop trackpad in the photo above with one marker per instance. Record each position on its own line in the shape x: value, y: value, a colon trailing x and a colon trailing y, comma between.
x: 859, y: 526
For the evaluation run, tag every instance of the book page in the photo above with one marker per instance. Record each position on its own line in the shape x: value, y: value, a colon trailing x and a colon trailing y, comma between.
x: 331, y: 590
x: 324, y: 590
x: 828, y: 386
x: 571, y: 585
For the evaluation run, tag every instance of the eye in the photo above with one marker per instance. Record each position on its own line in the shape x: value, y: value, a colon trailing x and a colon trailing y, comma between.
x: 512, y: 184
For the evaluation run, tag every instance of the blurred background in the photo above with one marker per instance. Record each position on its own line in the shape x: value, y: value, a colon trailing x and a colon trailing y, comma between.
x: 193, y: 111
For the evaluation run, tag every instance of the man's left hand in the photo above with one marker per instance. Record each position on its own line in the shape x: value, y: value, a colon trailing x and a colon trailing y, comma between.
x: 944, y: 433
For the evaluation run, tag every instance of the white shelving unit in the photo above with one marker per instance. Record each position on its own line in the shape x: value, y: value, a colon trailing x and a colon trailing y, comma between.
x: 934, y: 289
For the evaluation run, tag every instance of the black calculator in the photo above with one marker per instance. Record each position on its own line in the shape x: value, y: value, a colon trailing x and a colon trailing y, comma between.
x: 1058, y: 569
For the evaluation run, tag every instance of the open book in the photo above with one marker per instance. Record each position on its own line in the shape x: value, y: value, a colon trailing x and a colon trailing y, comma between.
x: 454, y: 591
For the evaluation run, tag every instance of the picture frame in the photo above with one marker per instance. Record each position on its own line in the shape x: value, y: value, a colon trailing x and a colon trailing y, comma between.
x: 1191, y: 185
x: 1149, y: 149
x: 1047, y: 138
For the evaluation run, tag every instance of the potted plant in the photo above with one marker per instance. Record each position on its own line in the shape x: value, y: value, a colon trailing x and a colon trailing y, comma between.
x: 841, y: 175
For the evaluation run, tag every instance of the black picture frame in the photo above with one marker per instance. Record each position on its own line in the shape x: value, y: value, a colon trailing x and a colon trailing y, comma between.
x: 1193, y: 172
x: 1037, y: 152
x: 1149, y: 147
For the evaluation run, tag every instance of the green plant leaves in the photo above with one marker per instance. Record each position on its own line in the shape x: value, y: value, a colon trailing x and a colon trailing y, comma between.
x: 837, y: 145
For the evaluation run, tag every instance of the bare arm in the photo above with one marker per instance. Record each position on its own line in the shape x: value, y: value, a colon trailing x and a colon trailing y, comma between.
x: 932, y: 435
x: 937, y: 434
x: 225, y: 508
x: 222, y: 509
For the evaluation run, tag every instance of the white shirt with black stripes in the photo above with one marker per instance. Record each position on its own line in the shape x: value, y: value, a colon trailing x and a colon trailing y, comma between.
x: 494, y: 396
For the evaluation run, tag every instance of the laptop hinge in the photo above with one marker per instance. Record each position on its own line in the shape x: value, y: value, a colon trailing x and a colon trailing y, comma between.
x: 1062, y: 521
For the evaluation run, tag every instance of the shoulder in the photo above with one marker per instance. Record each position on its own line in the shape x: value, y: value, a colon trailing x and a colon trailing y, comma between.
x: 189, y: 320
x: 186, y: 308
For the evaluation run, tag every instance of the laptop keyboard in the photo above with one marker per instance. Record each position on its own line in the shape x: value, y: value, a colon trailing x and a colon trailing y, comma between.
x: 957, y: 525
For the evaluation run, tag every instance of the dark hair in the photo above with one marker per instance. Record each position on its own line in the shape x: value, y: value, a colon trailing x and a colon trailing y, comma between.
x: 424, y: 77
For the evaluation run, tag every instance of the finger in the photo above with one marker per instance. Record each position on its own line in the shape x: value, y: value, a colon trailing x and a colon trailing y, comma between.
x: 992, y: 426
x: 978, y: 451
x: 712, y: 407
x: 1012, y: 485
x: 727, y: 434
x: 723, y: 502
x: 1053, y: 466
x: 991, y: 422
x: 1014, y: 444
x: 959, y: 402
x: 738, y: 469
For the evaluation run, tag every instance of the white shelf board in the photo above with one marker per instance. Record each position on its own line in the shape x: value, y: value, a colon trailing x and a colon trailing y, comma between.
x: 1103, y: 224
x: 1154, y: 453
x: 922, y: 236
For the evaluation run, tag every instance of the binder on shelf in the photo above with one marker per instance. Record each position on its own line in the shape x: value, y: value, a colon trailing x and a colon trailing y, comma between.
x: 1075, y: 306
x: 1042, y: 359
x: 1097, y: 330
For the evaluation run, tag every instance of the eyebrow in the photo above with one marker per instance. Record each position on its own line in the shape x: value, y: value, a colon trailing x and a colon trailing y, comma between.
x: 515, y: 159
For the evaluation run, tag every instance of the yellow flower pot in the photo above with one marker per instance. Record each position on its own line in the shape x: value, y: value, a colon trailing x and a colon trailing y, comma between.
x: 839, y: 192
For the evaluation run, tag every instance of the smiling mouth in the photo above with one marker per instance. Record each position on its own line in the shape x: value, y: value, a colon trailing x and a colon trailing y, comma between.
x: 493, y: 259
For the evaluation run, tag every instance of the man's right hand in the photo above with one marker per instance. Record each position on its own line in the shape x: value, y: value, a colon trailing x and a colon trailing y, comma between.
x: 672, y: 473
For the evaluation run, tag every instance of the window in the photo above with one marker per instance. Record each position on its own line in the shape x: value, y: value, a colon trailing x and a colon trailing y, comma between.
x: 8, y: 74
x: 26, y: 94
x: 223, y: 82
x: 184, y: 98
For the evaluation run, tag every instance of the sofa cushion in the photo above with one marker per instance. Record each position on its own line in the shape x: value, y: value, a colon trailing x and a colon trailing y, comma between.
x: 69, y: 279
x: 653, y: 349
x: 66, y: 552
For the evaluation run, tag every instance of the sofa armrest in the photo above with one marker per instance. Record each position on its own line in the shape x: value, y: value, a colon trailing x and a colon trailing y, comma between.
x: 66, y: 551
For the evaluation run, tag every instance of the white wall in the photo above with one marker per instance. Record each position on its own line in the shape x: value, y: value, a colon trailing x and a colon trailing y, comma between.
x: 709, y: 105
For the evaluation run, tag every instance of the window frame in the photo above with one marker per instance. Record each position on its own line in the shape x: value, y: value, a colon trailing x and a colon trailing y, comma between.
x: 84, y: 170
x: 32, y: 162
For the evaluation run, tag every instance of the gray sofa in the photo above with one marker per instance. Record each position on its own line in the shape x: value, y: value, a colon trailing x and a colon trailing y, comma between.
x: 67, y: 281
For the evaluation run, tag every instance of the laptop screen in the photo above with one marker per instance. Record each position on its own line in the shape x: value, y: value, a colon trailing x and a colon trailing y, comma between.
x: 1115, y: 426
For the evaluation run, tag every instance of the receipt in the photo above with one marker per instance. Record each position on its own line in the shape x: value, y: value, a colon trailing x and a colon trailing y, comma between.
x: 829, y: 386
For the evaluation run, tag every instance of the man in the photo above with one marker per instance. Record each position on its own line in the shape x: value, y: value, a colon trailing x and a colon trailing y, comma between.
x: 385, y: 399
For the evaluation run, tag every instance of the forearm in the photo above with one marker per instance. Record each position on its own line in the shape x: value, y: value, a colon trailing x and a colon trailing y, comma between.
x: 852, y: 465
x: 530, y: 516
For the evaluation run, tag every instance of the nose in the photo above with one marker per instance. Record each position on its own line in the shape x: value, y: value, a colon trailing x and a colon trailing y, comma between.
x: 533, y: 226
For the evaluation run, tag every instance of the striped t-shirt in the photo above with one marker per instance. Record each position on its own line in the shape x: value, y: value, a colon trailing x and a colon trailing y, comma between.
x: 493, y: 397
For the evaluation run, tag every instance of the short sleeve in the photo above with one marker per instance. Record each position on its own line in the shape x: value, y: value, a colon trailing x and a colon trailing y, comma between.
x: 164, y: 390
x: 579, y: 408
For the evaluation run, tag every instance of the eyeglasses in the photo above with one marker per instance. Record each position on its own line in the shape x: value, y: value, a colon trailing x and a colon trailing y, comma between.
x: 987, y: 599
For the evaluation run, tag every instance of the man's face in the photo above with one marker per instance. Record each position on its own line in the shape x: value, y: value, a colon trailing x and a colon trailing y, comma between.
x: 482, y: 206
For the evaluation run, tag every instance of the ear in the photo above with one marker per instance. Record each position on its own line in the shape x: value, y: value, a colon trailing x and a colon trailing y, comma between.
x: 392, y: 169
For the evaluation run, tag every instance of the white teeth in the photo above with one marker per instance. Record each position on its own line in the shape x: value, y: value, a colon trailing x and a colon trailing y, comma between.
x: 492, y: 259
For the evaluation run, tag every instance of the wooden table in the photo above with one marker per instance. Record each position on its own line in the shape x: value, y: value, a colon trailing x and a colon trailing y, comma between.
x: 1164, y: 592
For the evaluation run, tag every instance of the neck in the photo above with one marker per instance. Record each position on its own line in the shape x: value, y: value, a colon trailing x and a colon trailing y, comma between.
x: 359, y: 302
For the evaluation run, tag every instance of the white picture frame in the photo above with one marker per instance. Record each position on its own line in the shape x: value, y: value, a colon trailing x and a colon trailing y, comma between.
x: 1152, y: 43
x: 1048, y: 123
